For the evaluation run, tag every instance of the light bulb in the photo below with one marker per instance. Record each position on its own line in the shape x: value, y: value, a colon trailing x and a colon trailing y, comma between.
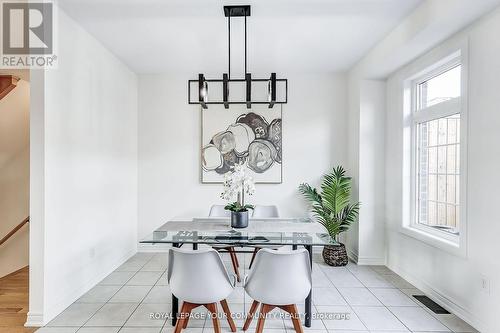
x: 269, y: 91
x: 204, y: 91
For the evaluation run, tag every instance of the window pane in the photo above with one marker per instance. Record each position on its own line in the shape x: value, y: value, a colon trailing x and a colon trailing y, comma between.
x: 452, y: 130
x: 450, y: 190
x: 441, y: 214
x: 432, y: 194
x: 440, y: 88
x: 432, y: 132
x: 442, y: 131
x: 450, y: 215
x: 438, y: 172
x: 432, y: 220
x: 441, y: 188
x: 451, y: 159
x: 432, y: 159
x: 441, y: 159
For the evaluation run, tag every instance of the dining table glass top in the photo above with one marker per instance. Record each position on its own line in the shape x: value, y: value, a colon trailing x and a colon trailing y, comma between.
x: 269, y: 231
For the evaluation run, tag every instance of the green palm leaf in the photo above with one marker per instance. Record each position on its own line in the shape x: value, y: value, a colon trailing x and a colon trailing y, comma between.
x: 332, y: 208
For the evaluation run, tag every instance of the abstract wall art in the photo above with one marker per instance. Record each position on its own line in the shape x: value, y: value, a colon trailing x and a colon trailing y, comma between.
x: 242, y: 136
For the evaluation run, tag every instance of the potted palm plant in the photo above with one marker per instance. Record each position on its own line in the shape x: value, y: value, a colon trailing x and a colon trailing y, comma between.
x: 334, y: 210
x: 237, y: 183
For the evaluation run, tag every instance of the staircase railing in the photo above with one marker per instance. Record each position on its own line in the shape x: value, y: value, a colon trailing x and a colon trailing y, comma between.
x: 13, y: 231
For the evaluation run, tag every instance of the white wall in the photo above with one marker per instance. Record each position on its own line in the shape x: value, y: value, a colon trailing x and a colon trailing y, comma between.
x: 365, y: 241
x: 430, y: 23
x: 14, y: 120
x: 453, y: 280
x: 314, y: 129
x: 84, y: 154
x: 371, y: 233
x: 14, y: 176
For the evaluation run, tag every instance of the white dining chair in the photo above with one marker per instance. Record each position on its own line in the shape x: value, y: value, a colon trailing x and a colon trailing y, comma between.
x: 219, y: 211
x: 261, y: 211
x: 199, y: 278
x: 279, y: 279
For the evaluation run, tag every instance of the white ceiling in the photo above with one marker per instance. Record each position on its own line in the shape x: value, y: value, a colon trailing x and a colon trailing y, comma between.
x: 153, y: 36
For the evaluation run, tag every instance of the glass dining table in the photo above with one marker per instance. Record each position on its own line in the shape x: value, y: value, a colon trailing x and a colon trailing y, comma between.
x: 293, y: 232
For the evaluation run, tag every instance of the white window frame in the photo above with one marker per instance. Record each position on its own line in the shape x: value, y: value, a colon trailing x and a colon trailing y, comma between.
x: 431, y: 67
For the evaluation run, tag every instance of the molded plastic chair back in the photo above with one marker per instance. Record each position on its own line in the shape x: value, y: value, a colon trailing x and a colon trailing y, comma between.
x: 280, y: 277
x: 265, y: 211
x: 219, y: 211
x: 198, y: 276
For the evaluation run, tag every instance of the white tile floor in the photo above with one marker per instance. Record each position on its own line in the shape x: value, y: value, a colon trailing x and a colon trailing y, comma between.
x: 351, y: 299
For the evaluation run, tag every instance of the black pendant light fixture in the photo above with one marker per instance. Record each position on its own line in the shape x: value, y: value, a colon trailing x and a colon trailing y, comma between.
x: 202, y: 84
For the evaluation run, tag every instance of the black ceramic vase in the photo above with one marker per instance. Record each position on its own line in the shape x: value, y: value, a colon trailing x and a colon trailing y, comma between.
x: 239, y: 219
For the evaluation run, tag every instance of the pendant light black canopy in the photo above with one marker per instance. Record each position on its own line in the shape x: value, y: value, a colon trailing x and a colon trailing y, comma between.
x: 203, y: 83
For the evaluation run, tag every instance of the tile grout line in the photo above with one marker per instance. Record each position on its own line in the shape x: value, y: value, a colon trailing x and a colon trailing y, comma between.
x: 348, y: 305
x: 144, y: 295
x: 283, y: 326
x: 418, y: 304
x: 115, y: 294
x: 138, y: 305
x: 377, y: 299
x: 430, y: 314
x: 387, y: 307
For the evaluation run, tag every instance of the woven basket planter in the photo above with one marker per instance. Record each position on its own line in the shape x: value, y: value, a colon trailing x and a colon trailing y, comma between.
x: 335, y: 255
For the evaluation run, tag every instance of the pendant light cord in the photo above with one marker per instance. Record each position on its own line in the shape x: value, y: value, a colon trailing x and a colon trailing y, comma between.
x: 229, y: 42
x: 245, y: 44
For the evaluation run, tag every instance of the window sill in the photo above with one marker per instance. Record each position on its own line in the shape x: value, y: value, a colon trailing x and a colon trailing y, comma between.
x: 453, y: 245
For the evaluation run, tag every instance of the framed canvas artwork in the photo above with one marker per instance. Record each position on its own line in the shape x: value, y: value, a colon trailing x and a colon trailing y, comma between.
x: 238, y: 135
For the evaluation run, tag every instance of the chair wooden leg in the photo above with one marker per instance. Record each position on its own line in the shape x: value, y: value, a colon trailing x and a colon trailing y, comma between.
x: 294, y: 314
x: 185, y: 323
x: 184, y: 316
x: 255, y: 250
x: 250, y: 315
x: 190, y: 308
x: 188, y: 312
x: 212, y: 308
x: 229, y: 317
x: 264, y: 310
x: 235, y: 256
x: 235, y: 265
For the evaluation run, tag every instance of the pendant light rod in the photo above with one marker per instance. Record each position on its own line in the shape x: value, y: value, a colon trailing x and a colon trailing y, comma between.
x: 229, y: 44
x: 203, y: 82
x: 236, y: 11
x: 246, y: 45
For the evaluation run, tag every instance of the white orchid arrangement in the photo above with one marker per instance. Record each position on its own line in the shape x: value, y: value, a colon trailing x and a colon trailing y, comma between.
x: 237, y: 183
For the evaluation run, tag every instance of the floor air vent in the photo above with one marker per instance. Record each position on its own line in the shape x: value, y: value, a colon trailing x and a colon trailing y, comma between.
x: 429, y: 303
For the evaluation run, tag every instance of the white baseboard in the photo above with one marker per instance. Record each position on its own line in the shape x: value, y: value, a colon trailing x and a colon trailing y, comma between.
x: 352, y: 255
x: 373, y: 261
x: 40, y: 319
x: 153, y: 247
x: 440, y: 298
x: 34, y: 320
